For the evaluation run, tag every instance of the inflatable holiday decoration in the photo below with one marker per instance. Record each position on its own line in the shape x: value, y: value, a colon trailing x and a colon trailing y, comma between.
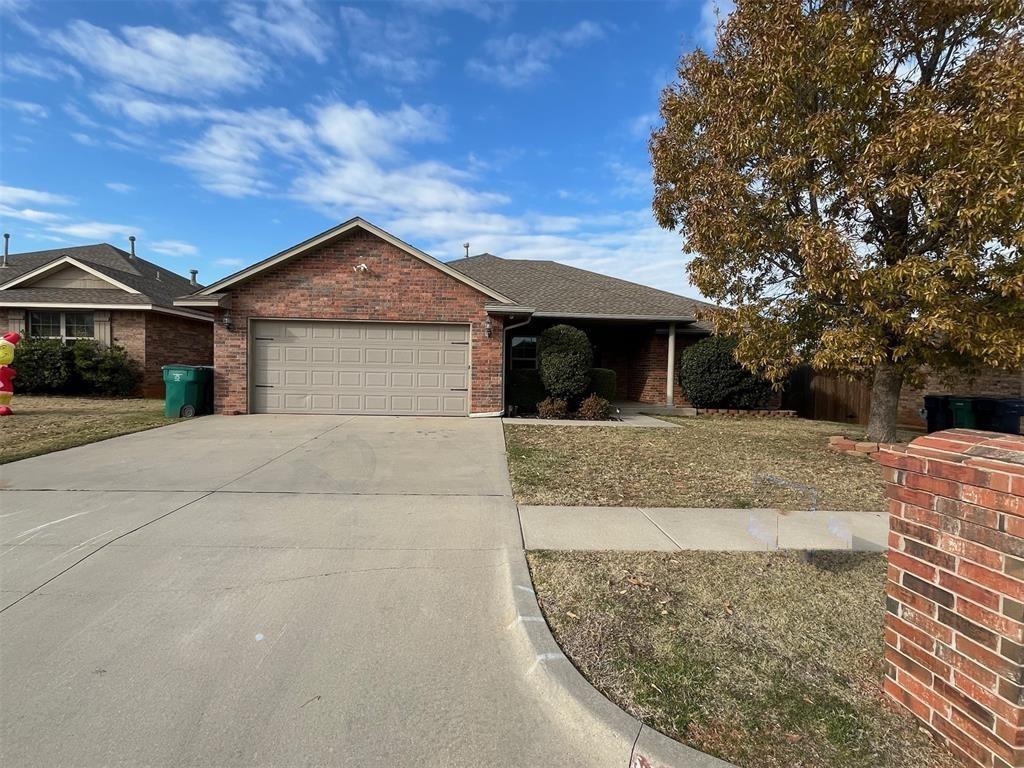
x: 7, y: 373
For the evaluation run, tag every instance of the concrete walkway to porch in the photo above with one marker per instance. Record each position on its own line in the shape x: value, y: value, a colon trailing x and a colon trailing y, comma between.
x: 675, y: 529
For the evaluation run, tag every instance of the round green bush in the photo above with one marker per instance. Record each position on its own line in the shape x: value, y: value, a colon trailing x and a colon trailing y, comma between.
x: 43, y: 366
x: 711, y: 377
x: 564, y: 357
x: 603, y: 383
x: 116, y: 374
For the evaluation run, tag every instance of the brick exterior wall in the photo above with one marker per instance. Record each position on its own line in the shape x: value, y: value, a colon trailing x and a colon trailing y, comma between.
x: 172, y: 339
x: 648, y: 368
x: 954, y: 630
x: 322, y: 285
x: 155, y: 340
x: 989, y: 382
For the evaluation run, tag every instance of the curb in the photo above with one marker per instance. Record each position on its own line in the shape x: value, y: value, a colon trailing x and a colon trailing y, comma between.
x: 601, y: 720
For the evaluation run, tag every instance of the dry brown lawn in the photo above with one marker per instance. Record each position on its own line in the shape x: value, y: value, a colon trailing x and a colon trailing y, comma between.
x: 709, y: 461
x: 767, y: 660
x: 44, y: 424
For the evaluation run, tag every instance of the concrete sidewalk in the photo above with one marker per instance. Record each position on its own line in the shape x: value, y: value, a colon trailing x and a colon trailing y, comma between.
x: 674, y: 529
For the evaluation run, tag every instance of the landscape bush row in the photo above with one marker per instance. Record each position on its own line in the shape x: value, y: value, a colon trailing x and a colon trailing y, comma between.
x: 81, y: 367
x: 564, y: 382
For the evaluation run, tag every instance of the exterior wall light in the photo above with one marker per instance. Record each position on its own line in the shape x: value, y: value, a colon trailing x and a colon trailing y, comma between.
x: 227, y: 321
x: 488, y: 327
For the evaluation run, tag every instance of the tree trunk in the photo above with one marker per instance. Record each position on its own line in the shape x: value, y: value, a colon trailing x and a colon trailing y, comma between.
x: 885, y: 400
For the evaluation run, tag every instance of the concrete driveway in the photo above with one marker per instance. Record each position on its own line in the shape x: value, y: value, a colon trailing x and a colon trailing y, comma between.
x: 271, y: 591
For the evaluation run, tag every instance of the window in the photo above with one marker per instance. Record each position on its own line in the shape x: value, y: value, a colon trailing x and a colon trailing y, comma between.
x: 78, y: 325
x: 61, y: 325
x: 44, y: 324
x: 523, y: 353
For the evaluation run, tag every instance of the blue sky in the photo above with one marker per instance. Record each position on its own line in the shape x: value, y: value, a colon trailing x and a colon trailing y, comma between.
x: 220, y: 133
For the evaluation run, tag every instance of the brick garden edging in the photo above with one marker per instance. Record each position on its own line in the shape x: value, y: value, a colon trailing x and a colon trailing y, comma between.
x: 954, y: 629
x: 843, y: 444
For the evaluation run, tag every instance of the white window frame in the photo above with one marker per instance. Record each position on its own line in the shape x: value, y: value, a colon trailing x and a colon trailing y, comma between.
x: 63, y: 324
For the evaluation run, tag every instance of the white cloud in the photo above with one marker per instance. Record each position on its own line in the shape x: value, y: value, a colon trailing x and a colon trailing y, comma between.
x: 29, y: 110
x: 393, y: 46
x: 288, y: 26
x: 130, y: 104
x: 631, y: 179
x: 481, y: 9
x: 118, y: 186
x: 43, y: 67
x: 229, y: 158
x: 173, y: 248
x: 358, y: 131
x: 161, y: 61
x: 711, y: 12
x: 22, y: 196
x: 28, y: 214
x: 640, y: 126
x: 96, y: 230
x: 518, y: 59
x: 84, y: 139
x: 229, y: 262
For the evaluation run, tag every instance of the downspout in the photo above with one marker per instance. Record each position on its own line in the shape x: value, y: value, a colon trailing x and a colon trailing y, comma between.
x: 504, y: 357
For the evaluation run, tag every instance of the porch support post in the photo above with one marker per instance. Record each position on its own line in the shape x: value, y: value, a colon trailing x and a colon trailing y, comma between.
x: 670, y: 373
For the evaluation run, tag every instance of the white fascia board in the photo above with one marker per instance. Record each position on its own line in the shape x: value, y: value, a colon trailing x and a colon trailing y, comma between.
x: 63, y: 305
x: 213, y: 301
x: 62, y: 261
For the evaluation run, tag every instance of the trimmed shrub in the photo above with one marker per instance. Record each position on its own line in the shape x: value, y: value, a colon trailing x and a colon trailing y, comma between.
x: 43, y: 366
x: 564, y: 357
x: 595, y: 408
x: 711, y: 377
x: 525, y: 389
x: 84, y: 355
x: 552, y: 408
x: 116, y: 374
x: 603, y: 382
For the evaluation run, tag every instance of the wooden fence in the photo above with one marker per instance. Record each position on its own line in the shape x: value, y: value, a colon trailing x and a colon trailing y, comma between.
x: 827, y: 398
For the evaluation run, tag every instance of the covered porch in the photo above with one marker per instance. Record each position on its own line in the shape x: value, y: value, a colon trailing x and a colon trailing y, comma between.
x: 642, y: 351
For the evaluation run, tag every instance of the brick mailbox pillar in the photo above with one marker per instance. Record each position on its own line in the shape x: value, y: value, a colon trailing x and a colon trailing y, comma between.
x: 954, y: 630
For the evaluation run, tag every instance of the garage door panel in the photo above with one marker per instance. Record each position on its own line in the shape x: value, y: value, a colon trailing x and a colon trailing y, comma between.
x: 322, y: 379
x: 350, y: 355
x: 350, y: 379
x: 353, y: 367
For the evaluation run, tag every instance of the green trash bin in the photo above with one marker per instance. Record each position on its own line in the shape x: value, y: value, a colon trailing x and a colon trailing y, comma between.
x: 963, y: 411
x: 186, y: 390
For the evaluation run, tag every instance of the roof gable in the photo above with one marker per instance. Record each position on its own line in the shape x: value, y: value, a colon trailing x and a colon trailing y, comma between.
x: 117, y: 268
x: 49, y: 269
x: 324, y: 237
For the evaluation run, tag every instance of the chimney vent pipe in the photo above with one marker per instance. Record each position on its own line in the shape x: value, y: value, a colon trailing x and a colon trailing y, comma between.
x: 7, y: 245
x: 192, y: 278
x: 131, y: 239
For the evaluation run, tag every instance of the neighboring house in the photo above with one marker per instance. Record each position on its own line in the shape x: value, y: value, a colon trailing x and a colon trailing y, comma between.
x: 101, y: 292
x: 354, y: 320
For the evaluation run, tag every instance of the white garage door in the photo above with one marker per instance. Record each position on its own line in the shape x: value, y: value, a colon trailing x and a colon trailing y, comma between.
x: 300, y: 366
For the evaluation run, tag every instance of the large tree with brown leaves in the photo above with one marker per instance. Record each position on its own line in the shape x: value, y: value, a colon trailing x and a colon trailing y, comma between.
x: 849, y: 177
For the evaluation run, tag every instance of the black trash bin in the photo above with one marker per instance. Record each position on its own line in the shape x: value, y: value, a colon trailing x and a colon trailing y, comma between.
x: 1007, y: 415
x: 986, y: 413
x: 938, y: 414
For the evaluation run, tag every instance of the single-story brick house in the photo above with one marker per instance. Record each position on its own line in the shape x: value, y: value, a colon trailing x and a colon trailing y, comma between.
x: 355, y: 320
x: 116, y: 297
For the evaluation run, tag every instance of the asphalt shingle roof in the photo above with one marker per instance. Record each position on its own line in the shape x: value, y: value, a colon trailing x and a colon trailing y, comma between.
x: 555, y: 288
x: 119, y: 265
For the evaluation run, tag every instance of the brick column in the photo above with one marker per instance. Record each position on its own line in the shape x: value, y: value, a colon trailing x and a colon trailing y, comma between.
x: 954, y: 631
